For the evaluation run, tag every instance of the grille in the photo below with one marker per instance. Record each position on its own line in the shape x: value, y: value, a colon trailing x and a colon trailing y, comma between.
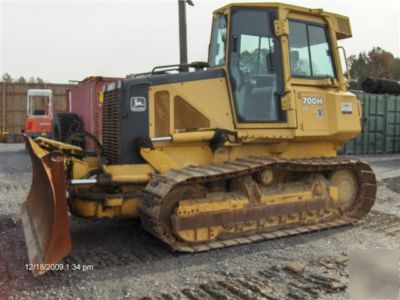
x: 111, y: 125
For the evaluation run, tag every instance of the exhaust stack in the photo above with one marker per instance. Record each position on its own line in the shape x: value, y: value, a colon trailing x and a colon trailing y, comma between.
x: 183, y: 34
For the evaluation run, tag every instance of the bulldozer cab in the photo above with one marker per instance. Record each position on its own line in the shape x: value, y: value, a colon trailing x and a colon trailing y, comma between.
x: 269, y: 49
x: 254, y: 65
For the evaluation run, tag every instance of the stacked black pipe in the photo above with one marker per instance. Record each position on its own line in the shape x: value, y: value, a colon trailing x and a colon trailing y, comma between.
x: 381, y: 86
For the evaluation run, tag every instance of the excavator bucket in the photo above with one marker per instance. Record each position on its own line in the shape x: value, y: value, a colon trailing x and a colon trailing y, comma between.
x: 45, y: 214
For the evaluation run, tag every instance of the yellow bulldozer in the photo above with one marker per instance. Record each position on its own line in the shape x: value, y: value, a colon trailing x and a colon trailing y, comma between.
x: 235, y: 150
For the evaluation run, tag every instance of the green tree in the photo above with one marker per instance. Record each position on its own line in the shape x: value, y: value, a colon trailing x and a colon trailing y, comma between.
x: 376, y: 63
x: 21, y: 80
x: 253, y: 63
x: 6, y: 77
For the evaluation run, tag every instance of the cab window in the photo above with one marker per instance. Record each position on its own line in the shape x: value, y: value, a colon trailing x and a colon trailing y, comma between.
x: 310, y: 53
x: 218, y: 41
x: 254, y: 66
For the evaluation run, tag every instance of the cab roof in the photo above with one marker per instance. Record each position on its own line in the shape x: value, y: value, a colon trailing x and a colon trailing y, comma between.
x: 340, y: 23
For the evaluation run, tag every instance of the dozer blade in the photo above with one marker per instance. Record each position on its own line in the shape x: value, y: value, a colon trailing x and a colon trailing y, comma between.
x: 44, y: 214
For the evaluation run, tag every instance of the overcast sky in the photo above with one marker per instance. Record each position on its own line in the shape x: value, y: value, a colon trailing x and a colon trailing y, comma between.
x: 70, y: 40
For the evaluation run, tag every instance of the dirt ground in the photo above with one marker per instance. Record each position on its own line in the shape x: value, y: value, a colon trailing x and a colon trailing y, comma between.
x: 118, y: 260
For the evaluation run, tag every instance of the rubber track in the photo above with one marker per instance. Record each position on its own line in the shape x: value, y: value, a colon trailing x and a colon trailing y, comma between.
x: 161, y: 185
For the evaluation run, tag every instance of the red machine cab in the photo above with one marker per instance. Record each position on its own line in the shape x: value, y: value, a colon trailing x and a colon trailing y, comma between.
x: 39, y: 113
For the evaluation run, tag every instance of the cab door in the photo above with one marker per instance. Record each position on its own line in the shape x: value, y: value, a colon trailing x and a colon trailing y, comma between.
x: 255, y: 69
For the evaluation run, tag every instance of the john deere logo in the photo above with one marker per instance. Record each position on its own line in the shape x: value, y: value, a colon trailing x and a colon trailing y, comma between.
x: 138, y: 104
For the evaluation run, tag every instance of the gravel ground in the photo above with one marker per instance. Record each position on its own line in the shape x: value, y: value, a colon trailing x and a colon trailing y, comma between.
x: 118, y: 260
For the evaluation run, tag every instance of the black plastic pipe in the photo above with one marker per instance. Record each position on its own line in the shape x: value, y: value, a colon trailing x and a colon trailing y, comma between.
x: 381, y: 86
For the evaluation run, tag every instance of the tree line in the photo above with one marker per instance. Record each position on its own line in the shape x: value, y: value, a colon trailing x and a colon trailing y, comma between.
x: 21, y: 79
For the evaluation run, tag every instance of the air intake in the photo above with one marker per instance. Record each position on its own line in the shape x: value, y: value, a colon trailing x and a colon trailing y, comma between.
x: 343, y: 29
x: 111, y: 125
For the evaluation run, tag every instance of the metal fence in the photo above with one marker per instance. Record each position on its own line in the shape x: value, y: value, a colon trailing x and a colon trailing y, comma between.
x: 13, y: 103
x: 380, y: 125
